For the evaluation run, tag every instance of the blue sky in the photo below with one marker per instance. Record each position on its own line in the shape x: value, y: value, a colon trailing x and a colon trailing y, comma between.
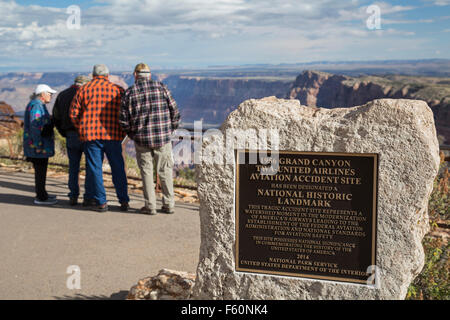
x: 34, y: 35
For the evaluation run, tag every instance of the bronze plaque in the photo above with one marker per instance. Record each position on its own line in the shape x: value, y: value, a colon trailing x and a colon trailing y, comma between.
x: 315, y: 218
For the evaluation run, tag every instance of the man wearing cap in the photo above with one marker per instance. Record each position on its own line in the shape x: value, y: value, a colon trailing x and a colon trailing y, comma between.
x: 63, y: 123
x: 149, y: 115
x: 38, y: 140
x: 95, y: 113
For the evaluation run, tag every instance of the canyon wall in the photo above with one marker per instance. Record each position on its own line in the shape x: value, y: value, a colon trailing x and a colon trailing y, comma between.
x: 327, y: 90
x: 212, y: 99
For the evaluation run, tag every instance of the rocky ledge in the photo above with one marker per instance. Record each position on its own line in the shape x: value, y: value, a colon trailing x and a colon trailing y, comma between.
x: 166, y: 285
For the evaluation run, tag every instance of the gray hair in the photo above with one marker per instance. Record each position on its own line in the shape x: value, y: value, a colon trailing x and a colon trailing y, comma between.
x: 100, y: 70
x: 34, y: 96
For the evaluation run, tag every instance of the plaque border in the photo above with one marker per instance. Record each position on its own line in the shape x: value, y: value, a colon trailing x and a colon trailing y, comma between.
x: 375, y: 157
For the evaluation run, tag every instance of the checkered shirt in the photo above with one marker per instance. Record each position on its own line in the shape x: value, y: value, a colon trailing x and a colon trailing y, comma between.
x: 149, y: 113
x: 95, y: 110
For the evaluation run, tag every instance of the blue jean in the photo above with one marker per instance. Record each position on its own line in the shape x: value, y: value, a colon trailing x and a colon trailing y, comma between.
x: 94, y: 151
x: 74, y: 151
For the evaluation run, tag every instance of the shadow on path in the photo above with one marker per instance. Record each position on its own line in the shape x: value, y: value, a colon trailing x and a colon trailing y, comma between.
x: 121, y: 295
x: 63, y: 201
x: 17, y: 186
x: 21, y: 200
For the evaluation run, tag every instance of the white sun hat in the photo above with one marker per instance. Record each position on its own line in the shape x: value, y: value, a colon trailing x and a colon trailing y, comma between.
x: 43, y: 88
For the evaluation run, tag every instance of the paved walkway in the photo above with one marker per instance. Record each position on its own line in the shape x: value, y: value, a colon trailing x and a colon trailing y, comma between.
x: 113, y: 249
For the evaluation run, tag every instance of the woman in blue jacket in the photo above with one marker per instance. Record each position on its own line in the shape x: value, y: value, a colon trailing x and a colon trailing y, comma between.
x: 38, y: 140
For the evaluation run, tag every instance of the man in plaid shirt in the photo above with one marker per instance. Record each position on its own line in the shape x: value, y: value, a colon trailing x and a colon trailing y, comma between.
x: 149, y: 115
x: 95, y: 113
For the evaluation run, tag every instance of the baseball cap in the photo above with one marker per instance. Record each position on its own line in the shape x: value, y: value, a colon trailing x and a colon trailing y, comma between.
x: 43, y: 88
x: 82, y: 80
x: 142, y: 68
x: 100, y: 70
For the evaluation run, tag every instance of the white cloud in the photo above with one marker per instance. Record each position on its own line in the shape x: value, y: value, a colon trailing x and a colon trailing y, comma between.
x: 193, y: 30
x: 439, y: 2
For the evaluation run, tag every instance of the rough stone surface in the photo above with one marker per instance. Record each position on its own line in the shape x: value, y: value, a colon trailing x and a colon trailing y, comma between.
x: 401, y: 131
x: 166, y: 285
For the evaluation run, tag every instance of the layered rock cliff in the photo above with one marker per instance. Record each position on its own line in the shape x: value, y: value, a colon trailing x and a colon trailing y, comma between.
x: 9, y: 123
x: 314, y: 88
x: 212, y: 99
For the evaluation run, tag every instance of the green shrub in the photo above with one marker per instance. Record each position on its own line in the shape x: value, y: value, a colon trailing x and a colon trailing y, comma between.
x: 433, y: 283
x: 187, y: 174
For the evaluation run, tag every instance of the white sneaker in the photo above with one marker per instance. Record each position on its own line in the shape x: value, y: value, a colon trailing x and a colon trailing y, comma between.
x: 46, y: 202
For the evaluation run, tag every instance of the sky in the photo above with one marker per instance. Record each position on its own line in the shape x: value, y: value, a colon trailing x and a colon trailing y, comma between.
x: 48, y: 36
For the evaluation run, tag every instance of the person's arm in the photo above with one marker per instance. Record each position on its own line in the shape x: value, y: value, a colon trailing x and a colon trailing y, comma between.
x: 57, y: 117
x: 124, y: 116
x: 36, y: 127
x: 173, y: 108
x: 75, y: 110
x: 47, y: 130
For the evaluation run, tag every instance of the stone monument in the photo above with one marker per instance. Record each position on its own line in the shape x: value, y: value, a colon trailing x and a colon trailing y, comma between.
x: 341, y: 217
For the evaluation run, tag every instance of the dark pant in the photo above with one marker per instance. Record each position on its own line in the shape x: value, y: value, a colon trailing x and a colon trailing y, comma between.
x: 75, y: 149
x: 94, y: 151
x: 74, y: 152
x: 40, y: 176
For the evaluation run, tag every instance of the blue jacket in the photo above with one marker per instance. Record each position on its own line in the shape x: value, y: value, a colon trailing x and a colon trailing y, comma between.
x: 34, y: 144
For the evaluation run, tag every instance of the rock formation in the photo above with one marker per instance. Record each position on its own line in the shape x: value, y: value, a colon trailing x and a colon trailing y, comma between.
x: 402, y: 132
x: 212, y: 99
x: 166, y: 285
x: 9, y: 123
x: 321, y: 89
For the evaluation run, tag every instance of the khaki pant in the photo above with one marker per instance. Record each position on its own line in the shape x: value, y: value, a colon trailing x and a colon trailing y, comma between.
x: 164, y: 167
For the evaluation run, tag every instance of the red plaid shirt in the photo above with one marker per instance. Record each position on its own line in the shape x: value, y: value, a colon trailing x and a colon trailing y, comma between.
x: 95, y: 110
